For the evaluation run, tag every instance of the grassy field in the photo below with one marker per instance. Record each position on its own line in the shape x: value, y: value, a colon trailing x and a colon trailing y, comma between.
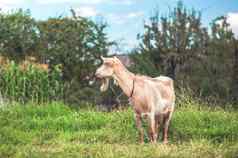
x: 56, y: 130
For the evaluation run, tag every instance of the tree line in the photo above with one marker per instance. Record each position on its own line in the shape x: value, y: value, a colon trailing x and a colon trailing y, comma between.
x: 203, y: 60
x: 73, y: 43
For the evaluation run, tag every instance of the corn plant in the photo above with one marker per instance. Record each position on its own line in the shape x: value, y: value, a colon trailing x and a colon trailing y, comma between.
x: 30, y: 83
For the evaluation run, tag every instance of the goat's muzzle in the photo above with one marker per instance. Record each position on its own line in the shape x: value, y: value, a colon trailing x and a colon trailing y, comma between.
x: 97, y: 75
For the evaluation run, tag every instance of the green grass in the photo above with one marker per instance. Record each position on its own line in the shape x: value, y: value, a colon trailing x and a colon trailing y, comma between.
x: 56, y: 130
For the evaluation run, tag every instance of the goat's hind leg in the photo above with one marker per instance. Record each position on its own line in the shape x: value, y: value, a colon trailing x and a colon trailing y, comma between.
x: 152, y: 128
x: 158, y: 121
x: 166, y: 121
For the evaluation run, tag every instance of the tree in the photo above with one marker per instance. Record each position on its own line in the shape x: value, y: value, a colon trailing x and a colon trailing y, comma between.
x: 171, y: 41
x: 77, y: 44
x: 179, y: 46
x: 18, y: 34
x: 219, y: 59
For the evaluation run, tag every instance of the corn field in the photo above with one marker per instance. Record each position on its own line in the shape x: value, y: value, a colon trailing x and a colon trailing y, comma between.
x: 30, y: 83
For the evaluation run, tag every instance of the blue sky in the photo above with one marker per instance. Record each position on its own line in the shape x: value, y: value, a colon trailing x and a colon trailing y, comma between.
x: 124, y: 17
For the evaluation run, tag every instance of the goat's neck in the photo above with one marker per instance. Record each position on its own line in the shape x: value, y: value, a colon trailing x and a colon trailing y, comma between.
x: 125, y: 79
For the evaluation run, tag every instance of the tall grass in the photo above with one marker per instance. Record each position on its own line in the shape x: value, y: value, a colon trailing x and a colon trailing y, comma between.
x: 30, y: 83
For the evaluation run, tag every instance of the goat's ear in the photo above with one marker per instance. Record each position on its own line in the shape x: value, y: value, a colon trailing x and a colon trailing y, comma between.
x: 102, y: 58
x: 116, y: 60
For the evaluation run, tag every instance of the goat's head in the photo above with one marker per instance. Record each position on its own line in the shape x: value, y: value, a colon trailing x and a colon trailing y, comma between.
x: 106, y: 71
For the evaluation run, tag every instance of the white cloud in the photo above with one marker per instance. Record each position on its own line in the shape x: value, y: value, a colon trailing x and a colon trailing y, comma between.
x: 88, y: 2
x: 86, y: 11
x: 135, y: 14
x: 91, y: 1
x: 123, y: 18
x: 232, y: 19
x: 10, y: 4
x: 123, y: 2
x: 115, y: 18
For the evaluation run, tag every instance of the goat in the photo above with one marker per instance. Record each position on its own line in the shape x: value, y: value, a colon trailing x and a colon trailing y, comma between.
x: 153, y: 98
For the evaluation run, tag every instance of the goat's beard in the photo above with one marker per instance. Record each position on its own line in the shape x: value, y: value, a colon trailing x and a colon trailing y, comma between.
x: 105, y: 84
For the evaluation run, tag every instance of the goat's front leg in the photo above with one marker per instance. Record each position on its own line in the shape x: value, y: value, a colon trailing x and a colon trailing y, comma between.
x: 139, y: 127
x: 152, y: 128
